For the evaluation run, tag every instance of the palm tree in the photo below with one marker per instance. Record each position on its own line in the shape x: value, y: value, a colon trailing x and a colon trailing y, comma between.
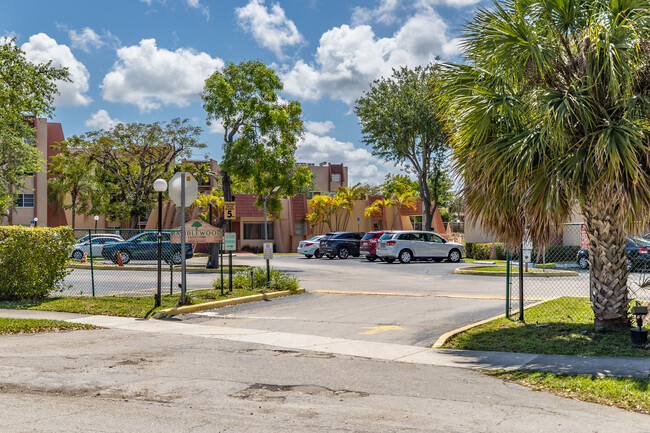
x: 204, y: 201
x: 73, y: 178
x: 400, y: 202
x: 551, y: 111
x: 321, y: 214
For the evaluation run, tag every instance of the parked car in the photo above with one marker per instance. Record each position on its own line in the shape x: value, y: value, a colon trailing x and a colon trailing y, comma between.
x: 310, y: 247
x: 369, y: 244
x: 341, y: 244
x: 99, y: 235
x: 408, y: 245
x: 98, y: 242
x: 145, y: 247
x: 636, y: 249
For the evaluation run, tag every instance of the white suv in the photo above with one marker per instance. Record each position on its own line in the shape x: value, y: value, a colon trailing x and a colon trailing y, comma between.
x: 408, y: 245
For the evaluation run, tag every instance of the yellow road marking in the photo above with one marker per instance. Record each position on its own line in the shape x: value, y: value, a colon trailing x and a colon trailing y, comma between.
x: 377, y: 329
x: 347, y: 292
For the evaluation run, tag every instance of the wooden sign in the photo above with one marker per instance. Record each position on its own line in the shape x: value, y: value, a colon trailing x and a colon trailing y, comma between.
x: 199, y: 232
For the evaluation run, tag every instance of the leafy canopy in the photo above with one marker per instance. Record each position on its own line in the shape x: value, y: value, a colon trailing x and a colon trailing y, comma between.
x: 261, y: 131
x: 552, y: 110
x: 26, y: 90
x: 400, y: 122
x: 129, y: 157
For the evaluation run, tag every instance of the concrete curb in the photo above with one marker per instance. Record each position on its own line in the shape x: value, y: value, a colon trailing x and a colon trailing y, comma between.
x: 186, y: 309
x: 447, y: 335
x: 475, y: 270
x: 150, y: 268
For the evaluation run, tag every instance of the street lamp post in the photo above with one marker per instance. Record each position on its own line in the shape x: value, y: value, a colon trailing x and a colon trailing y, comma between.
x: 35, y: 221
x: 160, y: 186
x: 266, y: 232
x: 96, y: 218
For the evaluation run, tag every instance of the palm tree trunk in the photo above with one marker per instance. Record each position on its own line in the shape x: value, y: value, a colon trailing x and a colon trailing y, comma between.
x: 605, y: 228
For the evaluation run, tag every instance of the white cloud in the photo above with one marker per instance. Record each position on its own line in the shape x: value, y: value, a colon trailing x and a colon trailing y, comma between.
x: 348, y: 58
x: 101, y: 120
x: 319, y: 128
x: 216, y: 127
x: 384, y: 13
x: 272, y: 30
x: 362, y: 165
x: 86, y: 39
x: 41, y: 49
x: 149, y: 77
x: 196, y: 4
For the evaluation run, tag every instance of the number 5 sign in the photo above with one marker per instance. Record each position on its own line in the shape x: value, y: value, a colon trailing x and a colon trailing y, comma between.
x: 229, y: 210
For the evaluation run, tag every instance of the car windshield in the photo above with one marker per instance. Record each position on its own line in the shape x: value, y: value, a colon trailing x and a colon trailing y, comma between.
x: 370, y: 236
x: 642, y: 242
x: 385, y: 236
x: 315, y: 238
x: 326, y: 237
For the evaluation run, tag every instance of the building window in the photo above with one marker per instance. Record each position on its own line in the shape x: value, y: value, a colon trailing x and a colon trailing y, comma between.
x: 256, y: 230
x: 336, y: 177
x: 25, y: 200
x: 299, y: 228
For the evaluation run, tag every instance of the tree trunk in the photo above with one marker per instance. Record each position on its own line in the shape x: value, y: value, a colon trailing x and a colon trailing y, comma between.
x: 605, y: 228
x: 425, y: 196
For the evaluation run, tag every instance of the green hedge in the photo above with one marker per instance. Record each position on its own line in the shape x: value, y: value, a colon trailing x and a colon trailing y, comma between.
x: 481, y: 251
x: 33, y: 261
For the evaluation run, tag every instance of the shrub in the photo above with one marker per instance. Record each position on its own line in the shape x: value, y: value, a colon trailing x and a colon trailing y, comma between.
x: 278, y: 280
x: 482, y: 251
x: 33, y: 261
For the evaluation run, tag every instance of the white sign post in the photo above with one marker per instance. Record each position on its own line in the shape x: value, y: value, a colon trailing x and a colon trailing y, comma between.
x: 183, y: 189
x: 268, y: 250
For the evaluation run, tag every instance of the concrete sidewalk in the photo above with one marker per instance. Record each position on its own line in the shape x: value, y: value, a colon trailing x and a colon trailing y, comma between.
x: 599, y: 366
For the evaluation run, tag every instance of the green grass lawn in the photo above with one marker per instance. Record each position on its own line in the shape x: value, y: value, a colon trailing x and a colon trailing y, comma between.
x: 30, y: 326
x: 626, y: 393
x: 563, y: 326
x: 126, y: 306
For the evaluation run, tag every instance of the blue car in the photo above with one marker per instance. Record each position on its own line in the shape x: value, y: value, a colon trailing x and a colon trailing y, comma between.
x: 145, y: 247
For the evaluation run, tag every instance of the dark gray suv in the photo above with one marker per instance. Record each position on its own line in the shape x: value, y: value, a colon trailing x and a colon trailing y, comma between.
x: 341, y: 244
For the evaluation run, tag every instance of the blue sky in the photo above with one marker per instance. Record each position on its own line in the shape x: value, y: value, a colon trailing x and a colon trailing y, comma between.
x: 146, y: 60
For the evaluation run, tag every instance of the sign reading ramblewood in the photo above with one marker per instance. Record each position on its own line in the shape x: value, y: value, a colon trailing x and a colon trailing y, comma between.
x: 199, y: 232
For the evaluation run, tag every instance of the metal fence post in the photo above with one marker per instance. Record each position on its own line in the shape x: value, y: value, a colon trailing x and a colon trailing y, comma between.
x: 507, y: 282
x: 92, y: 267
x: 521, y: 282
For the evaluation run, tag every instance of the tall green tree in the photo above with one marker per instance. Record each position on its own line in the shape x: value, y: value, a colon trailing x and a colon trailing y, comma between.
x: 26, y: 90
x: 552, y: 111
x: 74, y: 179
x: 129, y: 157
x: 399, y: 121
x: 261, y: 131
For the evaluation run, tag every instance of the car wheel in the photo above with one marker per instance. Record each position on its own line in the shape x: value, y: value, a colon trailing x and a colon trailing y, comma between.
x: 330, y: 256
x: 583, y: 262
x: 371, y: 258
x: 344, y: 253
x: 318, y: 255
x: 309, y: 256
x: 77, y: 254
x: 389, y: 260
x: 405, y: 256
x: 126, y: 257
x: 177, y: 258
x: 454, y: 256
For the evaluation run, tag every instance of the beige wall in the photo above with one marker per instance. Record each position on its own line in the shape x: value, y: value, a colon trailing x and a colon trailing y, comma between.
x: 36, y: 185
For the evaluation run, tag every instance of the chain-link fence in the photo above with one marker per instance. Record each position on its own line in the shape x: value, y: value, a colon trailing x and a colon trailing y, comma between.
x: 124, y: 262
x: 556, y: 276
